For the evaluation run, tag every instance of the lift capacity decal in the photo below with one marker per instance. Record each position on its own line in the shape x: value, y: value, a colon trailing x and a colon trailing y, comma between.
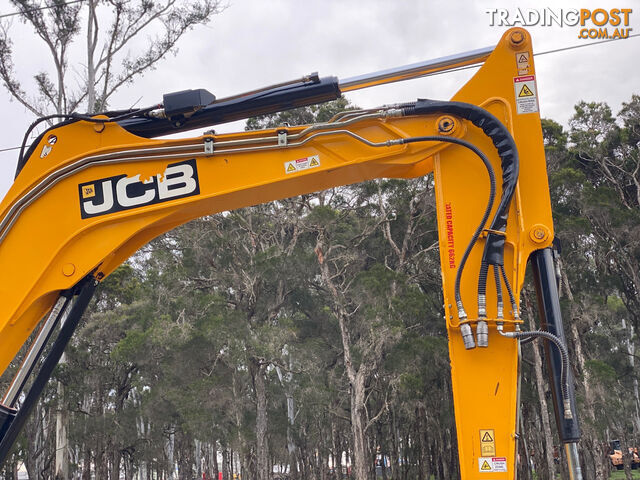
x: 302, y: 164
x: 526, y: 96
x: 492, y: 464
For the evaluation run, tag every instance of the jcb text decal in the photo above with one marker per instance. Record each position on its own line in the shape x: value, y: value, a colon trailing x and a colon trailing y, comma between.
x: 114, y: 194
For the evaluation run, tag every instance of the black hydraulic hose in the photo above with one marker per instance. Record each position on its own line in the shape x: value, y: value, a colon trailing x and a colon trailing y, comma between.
x: 25, y: 139
x: 485, y: 216
x: 524, y: 341
x: 503, y: 141
x: 498, y: 281
x: 564, y: 354
x: 512, y: 298
x: 72, y: 117
x: 482, y: 289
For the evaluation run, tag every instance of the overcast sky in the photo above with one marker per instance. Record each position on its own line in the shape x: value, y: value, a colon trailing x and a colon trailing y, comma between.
x: 259, y: 42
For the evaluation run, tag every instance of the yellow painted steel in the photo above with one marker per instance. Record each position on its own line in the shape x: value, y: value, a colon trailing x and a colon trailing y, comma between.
x: 47, y: 247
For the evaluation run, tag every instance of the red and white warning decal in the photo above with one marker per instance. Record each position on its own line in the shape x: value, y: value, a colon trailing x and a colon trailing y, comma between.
x: 526, y: 95
x: 302, y: 164
x: 492, y: 464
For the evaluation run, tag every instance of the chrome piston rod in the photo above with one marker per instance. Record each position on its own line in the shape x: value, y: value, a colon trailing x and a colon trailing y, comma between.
x: 573, y: 461
x: 415, y: 70
x: 17, y: 384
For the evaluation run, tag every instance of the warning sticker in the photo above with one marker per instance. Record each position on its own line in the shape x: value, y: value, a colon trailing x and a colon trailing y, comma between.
x: 526, y: 96
x: 492, y: 464
x: 499, y: 464
x: 487, y: 443
x: 525, y: 91
x: 302, y: 164
x: 522, y: 62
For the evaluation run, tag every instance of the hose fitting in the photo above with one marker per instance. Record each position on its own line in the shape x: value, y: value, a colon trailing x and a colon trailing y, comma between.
x: 482, y: 332
x: 482, y: 306
x: 462, y: 315
x: 467, y: 336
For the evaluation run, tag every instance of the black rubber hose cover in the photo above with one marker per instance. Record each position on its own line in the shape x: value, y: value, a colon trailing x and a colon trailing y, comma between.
x: 503, y: 141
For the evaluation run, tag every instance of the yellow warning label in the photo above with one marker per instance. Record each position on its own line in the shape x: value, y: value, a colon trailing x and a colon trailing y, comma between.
x: 487, y: 450
x: 291, y: 168
x: 485, y: 466
x: 525, y: 92
x: 522, y: 62
x: 487, y: 443
x: 314, y: 162
x: 88, y: 191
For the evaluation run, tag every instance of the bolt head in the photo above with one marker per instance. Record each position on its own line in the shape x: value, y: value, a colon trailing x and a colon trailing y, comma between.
x: 68, y: 269
x: 517, y: 37
x: 446, y: 125
x: 539, y: 233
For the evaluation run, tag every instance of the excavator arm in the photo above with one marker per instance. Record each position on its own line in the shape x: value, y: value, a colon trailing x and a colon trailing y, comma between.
x: 92, y: 191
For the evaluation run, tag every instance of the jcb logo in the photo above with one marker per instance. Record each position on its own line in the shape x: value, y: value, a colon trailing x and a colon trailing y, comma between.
x: 114, y: 194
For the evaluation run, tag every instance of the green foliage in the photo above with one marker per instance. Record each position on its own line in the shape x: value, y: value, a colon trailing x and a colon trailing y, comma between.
x: 602, y: 371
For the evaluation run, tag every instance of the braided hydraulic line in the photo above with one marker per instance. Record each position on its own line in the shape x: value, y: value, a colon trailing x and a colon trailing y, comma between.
x: 564, y: 354
x: 493, y: 253
x: 499, y: 301
x: 485, y: 216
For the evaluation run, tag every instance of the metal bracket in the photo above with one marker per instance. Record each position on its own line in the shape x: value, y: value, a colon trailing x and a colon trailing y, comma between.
x: 208, y: 146
x: 282, y: 138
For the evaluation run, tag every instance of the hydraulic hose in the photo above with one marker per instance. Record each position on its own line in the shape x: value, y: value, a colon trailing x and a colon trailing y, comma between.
x: 499, y: 300
x: 69, y: 118
x: 564, y: 354
x: 512, y: 298
x: 482, y: 289
x: 492, y: 195
x: 503, y: 141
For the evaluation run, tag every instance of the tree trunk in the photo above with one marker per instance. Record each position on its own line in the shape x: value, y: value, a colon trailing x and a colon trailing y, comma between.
x: 291, y: 447
x: 631, y: 350
x: 92, y: 37
x: 170, y: 447
x: 225, y: 465
x: 198, y: 458
x: 525, y: 462
x: 86, y: 464
x: 115, y: 462
x: 258, y: 369
x: 424, y: 470
x: 594, y: 451
x: 62, y: 437
x: 214, y: 458
x: 548, y: 472
x: 356, y: 377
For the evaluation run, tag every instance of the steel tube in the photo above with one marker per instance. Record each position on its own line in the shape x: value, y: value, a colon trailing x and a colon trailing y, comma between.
x: 18, y: 382
x: 415, y: 70
x: 573, y: 461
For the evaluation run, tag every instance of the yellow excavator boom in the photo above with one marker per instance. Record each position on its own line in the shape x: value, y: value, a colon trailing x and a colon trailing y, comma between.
x: 92, y: 193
